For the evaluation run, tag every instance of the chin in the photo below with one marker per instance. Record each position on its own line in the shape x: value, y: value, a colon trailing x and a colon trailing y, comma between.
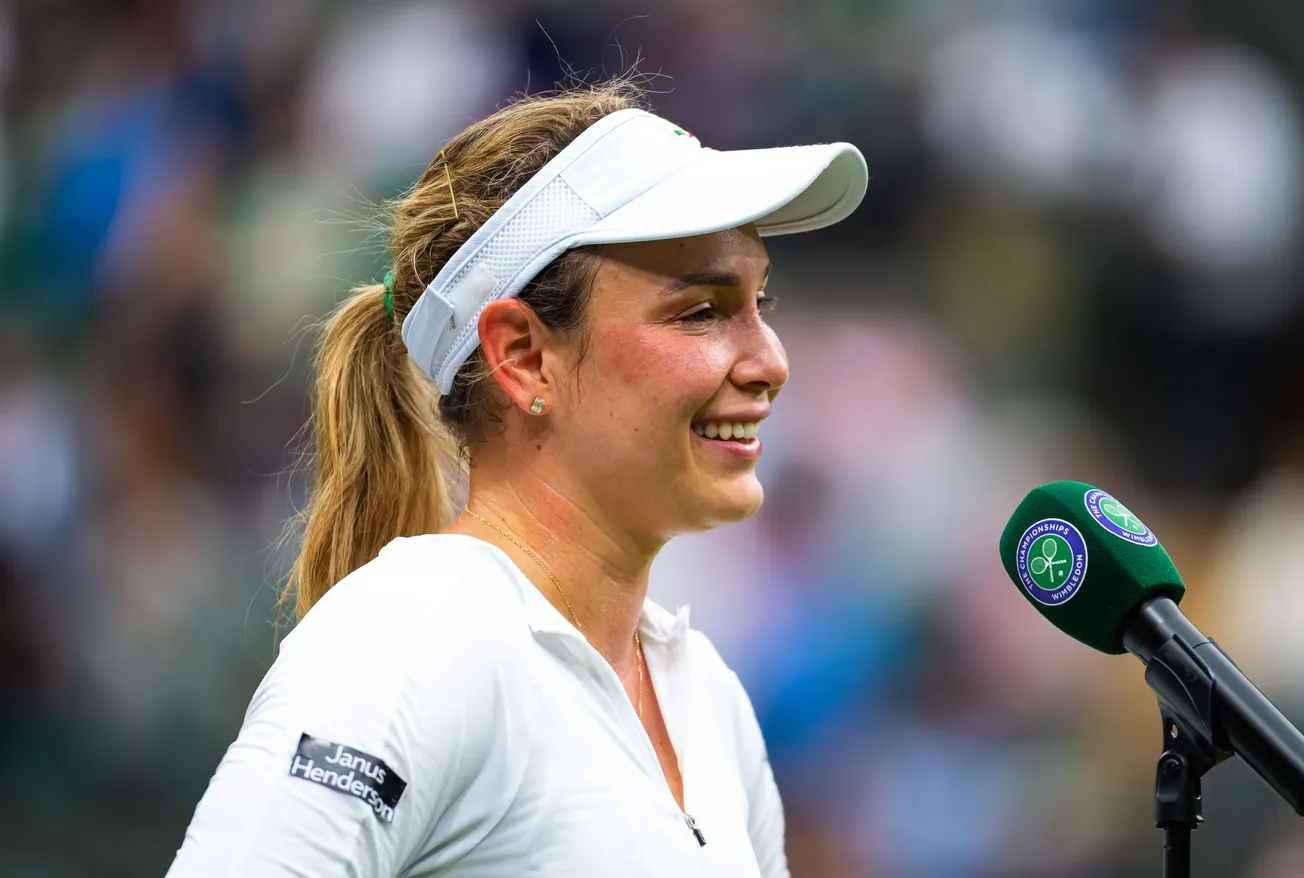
x: 735, y: 503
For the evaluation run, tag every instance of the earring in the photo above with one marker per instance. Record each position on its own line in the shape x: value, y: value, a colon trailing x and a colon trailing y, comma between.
x: 537, y: 405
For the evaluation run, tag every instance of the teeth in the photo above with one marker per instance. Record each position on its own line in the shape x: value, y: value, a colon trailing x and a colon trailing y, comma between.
x: 739, y: 432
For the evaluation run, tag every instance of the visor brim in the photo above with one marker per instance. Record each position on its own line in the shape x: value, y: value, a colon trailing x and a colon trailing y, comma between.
x: 783, y: 191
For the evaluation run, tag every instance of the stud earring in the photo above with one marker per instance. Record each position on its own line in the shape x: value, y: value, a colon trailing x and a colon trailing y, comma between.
x: 537, y: 405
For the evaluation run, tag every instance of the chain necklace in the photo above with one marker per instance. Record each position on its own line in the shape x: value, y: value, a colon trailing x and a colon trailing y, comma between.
x: 638, y: 644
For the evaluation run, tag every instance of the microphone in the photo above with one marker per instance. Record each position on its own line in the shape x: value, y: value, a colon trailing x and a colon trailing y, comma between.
x: 1096, y: 572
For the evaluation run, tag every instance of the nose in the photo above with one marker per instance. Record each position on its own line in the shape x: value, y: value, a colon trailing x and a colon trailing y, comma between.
x: 762, y: 365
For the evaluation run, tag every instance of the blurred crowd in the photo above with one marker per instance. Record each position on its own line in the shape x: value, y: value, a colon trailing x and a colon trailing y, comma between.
x: 1078, y: 259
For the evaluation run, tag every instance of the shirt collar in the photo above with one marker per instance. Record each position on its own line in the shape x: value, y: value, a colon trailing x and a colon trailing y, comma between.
x: 659, y: 624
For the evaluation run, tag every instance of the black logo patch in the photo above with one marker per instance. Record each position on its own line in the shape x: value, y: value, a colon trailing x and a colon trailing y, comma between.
x: 349, y: 771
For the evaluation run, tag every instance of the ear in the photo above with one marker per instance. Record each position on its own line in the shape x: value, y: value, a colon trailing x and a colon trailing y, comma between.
x: 513, y: 338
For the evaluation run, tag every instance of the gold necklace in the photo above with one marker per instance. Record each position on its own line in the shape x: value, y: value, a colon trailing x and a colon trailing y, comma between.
x: 638, y: 644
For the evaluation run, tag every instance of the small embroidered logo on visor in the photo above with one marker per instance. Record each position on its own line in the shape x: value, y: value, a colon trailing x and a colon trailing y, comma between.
x: 349, y: 771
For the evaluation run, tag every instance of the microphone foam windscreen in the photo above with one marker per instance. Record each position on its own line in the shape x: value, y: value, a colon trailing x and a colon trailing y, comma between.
x: 1084, y: 561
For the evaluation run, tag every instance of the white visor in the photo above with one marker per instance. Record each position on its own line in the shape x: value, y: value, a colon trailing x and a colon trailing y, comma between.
x: 631, y: 176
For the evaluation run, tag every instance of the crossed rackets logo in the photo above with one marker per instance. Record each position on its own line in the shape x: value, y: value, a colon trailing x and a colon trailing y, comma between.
x: 1122, y: 516
x: 1049, y: 561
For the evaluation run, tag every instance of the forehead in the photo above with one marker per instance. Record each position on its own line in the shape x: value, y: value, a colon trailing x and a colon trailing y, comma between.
x: 635, y: 266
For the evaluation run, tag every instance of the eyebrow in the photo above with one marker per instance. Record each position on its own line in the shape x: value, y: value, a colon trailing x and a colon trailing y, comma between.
x: 711, y: 279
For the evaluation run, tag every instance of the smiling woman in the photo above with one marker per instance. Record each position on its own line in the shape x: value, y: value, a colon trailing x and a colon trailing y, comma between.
x: 576, y: 314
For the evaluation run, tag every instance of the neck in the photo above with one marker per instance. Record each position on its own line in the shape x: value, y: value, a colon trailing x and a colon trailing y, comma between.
x: 602, y: 568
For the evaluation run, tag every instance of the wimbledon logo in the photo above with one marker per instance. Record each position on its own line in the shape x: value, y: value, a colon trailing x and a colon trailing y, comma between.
x: 1052, y: 561
x: 1118, y: 519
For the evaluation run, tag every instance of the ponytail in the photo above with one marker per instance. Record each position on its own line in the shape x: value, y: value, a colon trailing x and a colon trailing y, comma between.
x: 382, y: 461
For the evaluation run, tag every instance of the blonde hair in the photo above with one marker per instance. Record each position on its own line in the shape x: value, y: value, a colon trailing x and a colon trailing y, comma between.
x: 387, y: 445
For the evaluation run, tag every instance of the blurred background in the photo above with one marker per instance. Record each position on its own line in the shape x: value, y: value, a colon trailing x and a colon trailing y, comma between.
x: 1078, y: 258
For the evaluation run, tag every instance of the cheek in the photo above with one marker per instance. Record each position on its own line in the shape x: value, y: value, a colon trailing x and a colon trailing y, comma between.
x: 649, y: 370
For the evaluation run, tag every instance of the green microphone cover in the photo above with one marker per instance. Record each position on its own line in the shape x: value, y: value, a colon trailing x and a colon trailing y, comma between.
x: 1085, y: 561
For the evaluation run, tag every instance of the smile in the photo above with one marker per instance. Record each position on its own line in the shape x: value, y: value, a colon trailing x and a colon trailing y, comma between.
x: 743, y: 432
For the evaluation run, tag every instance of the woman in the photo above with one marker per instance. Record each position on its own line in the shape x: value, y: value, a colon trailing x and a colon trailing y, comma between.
x: 580, y: 288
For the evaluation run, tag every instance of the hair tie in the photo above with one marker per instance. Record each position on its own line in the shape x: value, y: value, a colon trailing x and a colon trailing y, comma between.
x: 389, y: 295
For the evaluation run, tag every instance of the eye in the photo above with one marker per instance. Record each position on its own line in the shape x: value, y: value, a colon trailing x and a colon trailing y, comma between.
x: 702, y: 315
x: 766, y: 304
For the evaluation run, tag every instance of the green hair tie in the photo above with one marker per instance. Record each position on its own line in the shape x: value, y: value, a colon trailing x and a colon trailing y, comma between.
x: 389, y: 296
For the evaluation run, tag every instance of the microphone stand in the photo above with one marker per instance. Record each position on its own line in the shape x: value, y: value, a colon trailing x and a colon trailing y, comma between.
x: 1210, y: 713
x: 1186, y: 707
x: 1178, y: 803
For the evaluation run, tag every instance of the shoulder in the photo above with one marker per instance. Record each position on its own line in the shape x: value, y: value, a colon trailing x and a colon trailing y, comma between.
x: 426, y: 575
x: 406, y: 671
x: 434, y: 594
x: 433, y: 624
x: 431, y: 627
x: 414, y: 657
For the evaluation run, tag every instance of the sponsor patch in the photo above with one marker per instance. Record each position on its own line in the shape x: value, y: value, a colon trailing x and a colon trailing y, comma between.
x: 1052, y: 561
x: 349, y: 771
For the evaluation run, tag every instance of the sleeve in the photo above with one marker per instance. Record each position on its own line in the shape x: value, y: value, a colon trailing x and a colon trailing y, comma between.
x: 765, y: 823
x: 371, y: 746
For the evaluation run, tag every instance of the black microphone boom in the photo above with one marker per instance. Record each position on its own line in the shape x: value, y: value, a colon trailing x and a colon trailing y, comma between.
x: 1199, y: 683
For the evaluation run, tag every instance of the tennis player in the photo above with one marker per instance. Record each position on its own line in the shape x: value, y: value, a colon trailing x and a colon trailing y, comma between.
x: 576, y: 310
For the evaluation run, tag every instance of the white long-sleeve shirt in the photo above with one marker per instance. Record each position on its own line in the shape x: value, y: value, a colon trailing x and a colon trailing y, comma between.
x: 435, y: 715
